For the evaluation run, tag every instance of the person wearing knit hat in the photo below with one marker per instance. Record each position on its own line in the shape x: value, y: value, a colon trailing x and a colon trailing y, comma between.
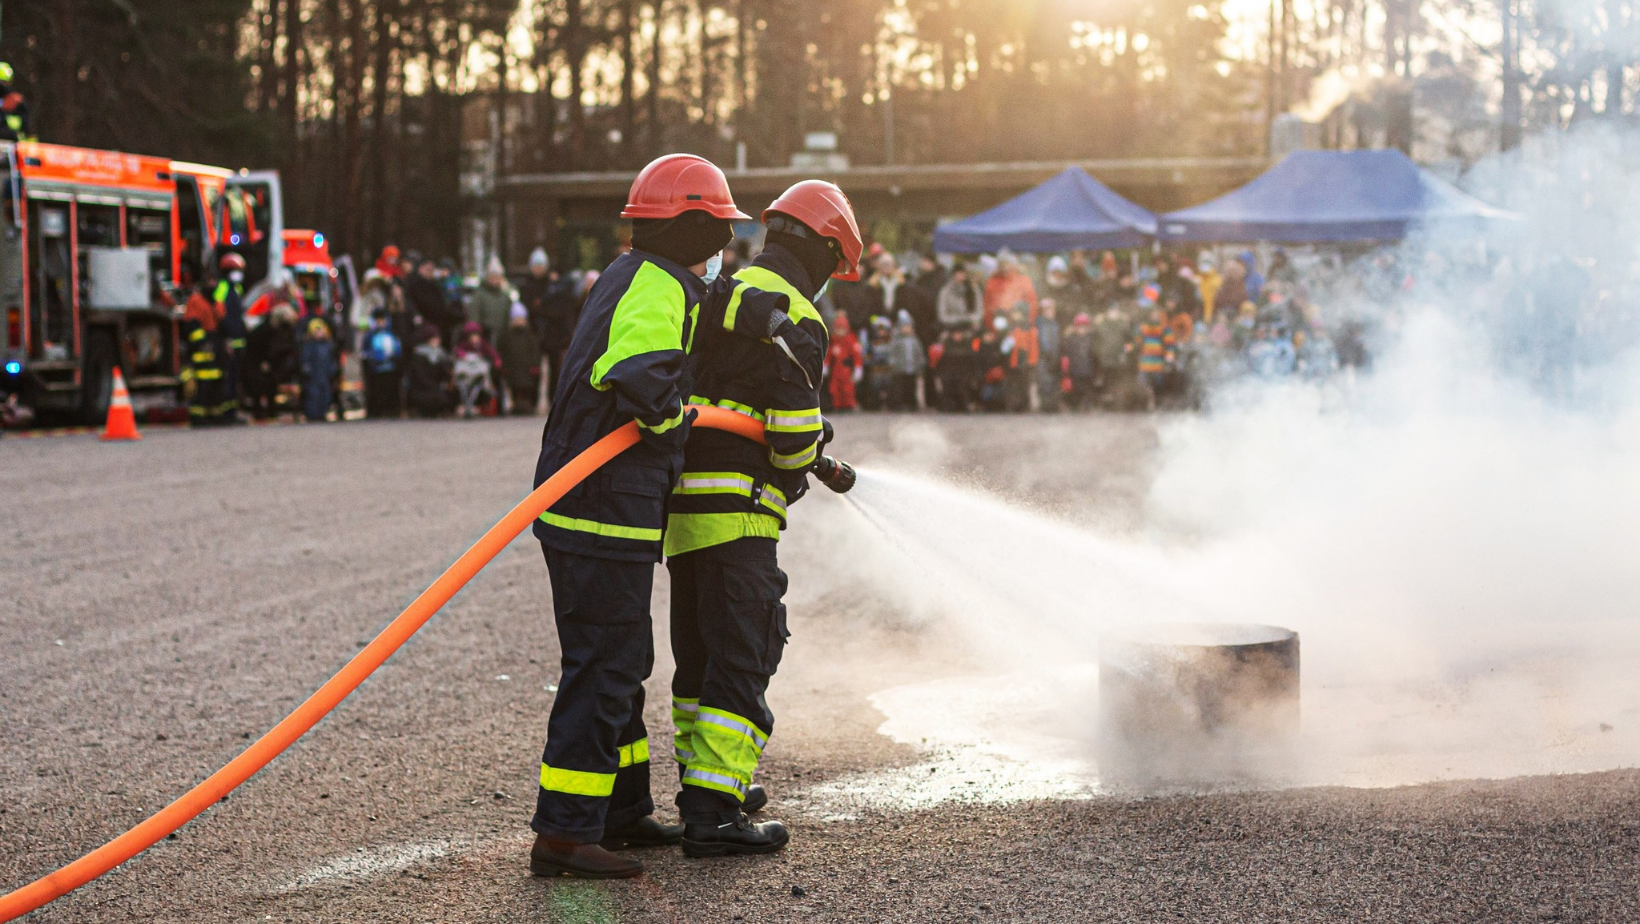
x: 1008, y: 287
x: 551, y: 302
x: 1077, y: 368
x: 987, y: 267
x: 492, y: 300
x: 520, y: 361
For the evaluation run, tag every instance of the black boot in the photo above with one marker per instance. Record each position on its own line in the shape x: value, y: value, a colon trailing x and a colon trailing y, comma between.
x: 552, y: 857
x: 756, y: 798
x: 644, y: 832
x: 735, y: 838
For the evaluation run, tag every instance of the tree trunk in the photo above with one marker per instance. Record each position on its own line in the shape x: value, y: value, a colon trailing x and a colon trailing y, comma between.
x: 290, y: 100
x: 629, y: 63
x: 268, y: 79
x: 381, y: 75
x: 352, y: 143
x: 575, y: 49
x: 653, y: 136
x: 68, y: 76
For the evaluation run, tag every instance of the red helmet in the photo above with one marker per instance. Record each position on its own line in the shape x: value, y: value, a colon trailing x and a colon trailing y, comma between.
x: 231, y: 261
x: 823, y: 209
x: 679, y: 183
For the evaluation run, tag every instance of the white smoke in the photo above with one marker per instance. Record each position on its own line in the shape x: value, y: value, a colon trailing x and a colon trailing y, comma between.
x: 1452, y: 534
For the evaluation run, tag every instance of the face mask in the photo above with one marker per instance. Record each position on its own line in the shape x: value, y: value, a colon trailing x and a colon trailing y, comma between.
x: 236, y: 276
x: 823, y: 287
x: 714, y: 265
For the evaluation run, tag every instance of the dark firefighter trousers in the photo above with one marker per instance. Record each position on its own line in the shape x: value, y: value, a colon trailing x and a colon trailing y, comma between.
x: 595, y: 768
x: 728, y: 633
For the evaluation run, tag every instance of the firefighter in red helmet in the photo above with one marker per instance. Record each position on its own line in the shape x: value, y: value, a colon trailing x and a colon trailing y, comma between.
x: 230, y: 306
x: 729, y: 507
x: 625, y: 362
x: 14, y: 120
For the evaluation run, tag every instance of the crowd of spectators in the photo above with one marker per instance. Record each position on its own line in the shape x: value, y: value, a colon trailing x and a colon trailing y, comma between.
x: 429, y: 346
x: 1003, y: 332
x: 1072, y: 331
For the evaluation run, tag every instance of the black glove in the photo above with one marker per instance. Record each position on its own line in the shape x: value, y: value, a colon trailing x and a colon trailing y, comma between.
x: 673, y: 439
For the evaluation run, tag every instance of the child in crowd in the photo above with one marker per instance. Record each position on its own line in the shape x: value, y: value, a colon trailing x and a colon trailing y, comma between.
x: 1076, y: 363
x: 475, y: 361
x: 1047, y: 349
x: 520, y: 360
x: 428, y: 388
x: 996, y: 354
x: 845, y: 363
x: 958, y: 369
x: 1154, y: 344
x: 1023, y: 355
x: 318, y: 363
x: 382, y: 359
x: 879, y: 365
x: 907, y: 362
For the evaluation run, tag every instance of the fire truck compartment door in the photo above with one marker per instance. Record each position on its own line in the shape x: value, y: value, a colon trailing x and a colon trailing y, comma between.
x: 119, y: 278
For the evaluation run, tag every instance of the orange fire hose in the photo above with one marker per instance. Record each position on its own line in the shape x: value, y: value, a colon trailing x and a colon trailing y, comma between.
x: 55, y: 885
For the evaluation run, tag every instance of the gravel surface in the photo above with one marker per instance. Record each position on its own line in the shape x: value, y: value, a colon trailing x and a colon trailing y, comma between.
x: 171, y: 599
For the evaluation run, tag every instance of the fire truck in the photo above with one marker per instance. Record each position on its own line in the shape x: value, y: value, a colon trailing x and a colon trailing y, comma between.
x: 97, y: 252
x: 326, y: 285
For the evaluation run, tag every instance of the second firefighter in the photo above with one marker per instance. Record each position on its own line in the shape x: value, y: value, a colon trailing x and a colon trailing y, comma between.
x: 728, y: 507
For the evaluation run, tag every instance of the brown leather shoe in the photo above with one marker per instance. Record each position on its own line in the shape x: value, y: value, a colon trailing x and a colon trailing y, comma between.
x: 553, y: 857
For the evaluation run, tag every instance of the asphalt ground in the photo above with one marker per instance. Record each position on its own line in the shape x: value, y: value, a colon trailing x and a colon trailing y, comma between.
x: 170, y: 599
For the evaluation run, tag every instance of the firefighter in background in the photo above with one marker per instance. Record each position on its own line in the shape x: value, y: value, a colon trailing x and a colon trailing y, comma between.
x: 230, y: 304
x: 625, y: 362
x: 203, y: 381
x: 14, y: 121
x: 728, y: 508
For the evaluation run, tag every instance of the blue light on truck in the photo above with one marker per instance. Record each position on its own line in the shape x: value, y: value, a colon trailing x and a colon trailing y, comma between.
x: 318, y: 239
x: 14, y: 368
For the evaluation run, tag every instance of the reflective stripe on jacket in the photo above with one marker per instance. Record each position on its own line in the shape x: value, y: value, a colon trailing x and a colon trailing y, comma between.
x: 626, y: 362
x: 732, y: 487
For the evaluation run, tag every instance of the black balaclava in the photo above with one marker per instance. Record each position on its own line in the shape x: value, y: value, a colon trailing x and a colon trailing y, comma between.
x: 686, y: 239
x: 817, y: 259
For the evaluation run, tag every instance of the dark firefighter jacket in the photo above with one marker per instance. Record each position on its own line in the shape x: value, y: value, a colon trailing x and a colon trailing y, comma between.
x: 230, y: 299
x: 14, y: 124
x: 732, y: 487
x: 625, y: 362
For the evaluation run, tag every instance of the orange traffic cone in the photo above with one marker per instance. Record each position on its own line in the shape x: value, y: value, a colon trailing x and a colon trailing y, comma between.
x: 122, y: 421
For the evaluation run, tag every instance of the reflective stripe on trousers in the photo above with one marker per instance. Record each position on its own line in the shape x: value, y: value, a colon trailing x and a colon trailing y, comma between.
x: 726, y: 748
x: 584, y: 783
x: 683, y: 719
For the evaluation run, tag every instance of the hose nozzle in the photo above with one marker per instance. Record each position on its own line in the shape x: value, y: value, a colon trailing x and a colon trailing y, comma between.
x: 834, y: 474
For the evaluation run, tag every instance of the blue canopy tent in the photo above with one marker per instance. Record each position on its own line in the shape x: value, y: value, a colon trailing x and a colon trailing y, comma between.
x: 1070, y: 211
x: 1321, y: 196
